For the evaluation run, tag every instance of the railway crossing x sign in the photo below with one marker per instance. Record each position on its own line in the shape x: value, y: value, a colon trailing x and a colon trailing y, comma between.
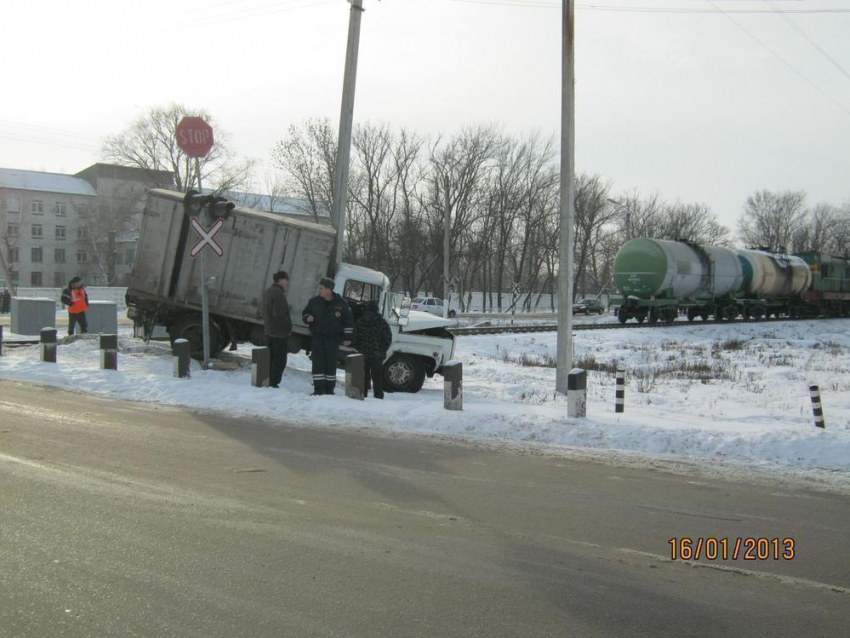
x: 207, y: 237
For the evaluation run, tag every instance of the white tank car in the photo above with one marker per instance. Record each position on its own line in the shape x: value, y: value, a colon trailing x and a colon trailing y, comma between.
x: 768, y: 275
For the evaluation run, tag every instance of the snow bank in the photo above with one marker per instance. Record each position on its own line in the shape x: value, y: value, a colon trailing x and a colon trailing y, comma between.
x: 736, y: 394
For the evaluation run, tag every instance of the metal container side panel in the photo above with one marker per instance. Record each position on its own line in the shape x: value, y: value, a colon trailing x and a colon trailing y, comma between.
x: 157, y: 248
x: 687, y: 275
x: 756, y: 266
x: 306, y: 261
x: 728, y: 273
x: 640, y: 268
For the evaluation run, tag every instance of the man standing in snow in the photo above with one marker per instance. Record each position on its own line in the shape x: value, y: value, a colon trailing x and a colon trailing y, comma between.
x: 77, y: 300
x: 330, y: 320
x: 278, y: 325
x: 372, y: 339
x: 6, y: 301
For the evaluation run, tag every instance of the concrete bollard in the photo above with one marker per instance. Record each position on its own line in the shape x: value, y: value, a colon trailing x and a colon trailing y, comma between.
x: 260, y: 363
x: 102, y: 317
x: 453, y: 385
x: 817, y: 408
x: 182, y: 356
x: 108, y: 352
x: 355, y: 376
x: 30, y: 315
x: 577, y: 393
x: 620, y: 404
x: 48, y: 345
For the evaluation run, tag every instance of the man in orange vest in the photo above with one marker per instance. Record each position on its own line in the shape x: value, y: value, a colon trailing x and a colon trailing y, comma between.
x: 77, y: 300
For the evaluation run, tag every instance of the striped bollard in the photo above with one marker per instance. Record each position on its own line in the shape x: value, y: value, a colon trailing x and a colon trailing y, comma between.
x: 108, y: 352
x: 620, y: 405
x: 577, y: 393
x: 260, y: 362
x: 182, y: 354
x: 817, y: 408
x: 355, y: 377
x: 453, y: 385
x: 48, y: 345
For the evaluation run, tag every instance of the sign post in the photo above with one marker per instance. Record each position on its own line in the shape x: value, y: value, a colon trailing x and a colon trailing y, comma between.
x: 195, y: 138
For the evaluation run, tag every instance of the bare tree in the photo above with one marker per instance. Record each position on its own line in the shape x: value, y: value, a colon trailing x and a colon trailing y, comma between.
x: 771, y: 219
x: 307, y: 155
x: 150, y: 143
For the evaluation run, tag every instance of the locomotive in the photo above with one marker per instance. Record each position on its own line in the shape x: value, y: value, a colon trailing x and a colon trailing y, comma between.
x: 660, y: 279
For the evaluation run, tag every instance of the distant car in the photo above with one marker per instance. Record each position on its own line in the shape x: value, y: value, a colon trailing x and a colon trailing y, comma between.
x: 432, y: 305
x: 588, y: 307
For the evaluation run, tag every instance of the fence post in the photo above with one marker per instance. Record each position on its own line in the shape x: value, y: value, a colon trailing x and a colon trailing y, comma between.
x: 182, y: 354
x: 108, y: 352
x: 355, y: 376
x: 260, y: 362
x: 577, y: 393
x: 453, y: 385
x: 48, y: 345
x: 817, y: 408
x: 620, y: 405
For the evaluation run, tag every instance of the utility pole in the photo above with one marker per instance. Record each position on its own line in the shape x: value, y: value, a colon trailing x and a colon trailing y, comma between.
x: 446, y: 230
x: 565, y: 268
x: 346, y: 118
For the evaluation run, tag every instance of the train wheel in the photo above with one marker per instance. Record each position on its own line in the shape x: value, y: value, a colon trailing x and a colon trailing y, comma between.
x: 641, y: 318
x: 653, y: 318
x: 691, y: 316
x: 622, y: 317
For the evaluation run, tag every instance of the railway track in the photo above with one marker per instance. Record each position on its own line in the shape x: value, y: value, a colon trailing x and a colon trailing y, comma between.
x: 553, y: 327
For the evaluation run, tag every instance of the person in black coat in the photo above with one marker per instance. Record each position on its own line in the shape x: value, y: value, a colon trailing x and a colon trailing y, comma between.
x: 330, y: 320
x: 277, y: 325
x: 372, y: 339
x: 6, y: 301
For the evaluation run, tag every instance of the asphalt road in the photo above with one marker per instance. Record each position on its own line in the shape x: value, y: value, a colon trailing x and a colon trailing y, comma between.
x: 123, y: 519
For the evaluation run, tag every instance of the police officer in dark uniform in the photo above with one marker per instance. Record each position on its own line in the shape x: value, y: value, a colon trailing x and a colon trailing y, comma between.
x: 330, y: 320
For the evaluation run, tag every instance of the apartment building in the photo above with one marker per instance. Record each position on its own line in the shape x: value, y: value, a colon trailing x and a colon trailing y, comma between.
x: 54, y: 226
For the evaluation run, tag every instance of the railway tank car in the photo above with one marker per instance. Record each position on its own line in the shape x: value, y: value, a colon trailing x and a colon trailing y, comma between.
x: 660, y: 278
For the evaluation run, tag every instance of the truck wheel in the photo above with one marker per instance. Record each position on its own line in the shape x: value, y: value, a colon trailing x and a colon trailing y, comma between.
x: 404, y: 373
x: 452, y: 314
x: 189, y: 327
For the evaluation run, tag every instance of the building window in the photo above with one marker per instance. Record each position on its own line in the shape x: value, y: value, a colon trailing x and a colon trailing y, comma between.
x: 13, y: 205
x: 82, y: 257
x: 59, y: 255
x: 37, y: 255
x: 14, y: 256
x: 60, y: 233
x: 35, y: 279
x: 59, y: 279
x: 82, y: 233
x: 61, y: 209
x: 37, y: 231
x: 37, y: 207
x: 12, y: 230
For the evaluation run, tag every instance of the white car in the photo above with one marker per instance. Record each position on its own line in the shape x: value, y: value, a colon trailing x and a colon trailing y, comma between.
x: 430, y: 304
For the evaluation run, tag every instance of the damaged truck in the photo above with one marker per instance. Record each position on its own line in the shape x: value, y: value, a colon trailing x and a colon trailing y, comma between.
x: 164, y: 287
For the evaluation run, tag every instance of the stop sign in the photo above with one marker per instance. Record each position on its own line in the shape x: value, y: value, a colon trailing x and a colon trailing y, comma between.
x: 194, y: 136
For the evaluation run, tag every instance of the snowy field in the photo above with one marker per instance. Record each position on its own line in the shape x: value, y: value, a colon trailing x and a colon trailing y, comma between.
x: 729, y: 397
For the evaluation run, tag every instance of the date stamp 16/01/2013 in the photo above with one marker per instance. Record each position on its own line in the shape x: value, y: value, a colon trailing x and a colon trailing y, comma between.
x: 722, y: 548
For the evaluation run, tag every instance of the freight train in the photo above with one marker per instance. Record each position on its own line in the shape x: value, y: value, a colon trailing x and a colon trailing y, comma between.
x: 661, y: 279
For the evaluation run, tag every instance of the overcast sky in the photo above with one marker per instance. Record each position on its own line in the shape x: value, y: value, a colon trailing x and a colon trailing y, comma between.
x: 703, y: 101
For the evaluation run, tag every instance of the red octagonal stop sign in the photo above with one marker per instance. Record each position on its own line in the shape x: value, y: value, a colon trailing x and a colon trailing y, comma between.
x: 194, y: 136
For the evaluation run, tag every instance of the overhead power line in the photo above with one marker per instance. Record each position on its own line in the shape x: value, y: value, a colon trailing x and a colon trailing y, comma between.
x: 543, y: 4
x: 810, y: 40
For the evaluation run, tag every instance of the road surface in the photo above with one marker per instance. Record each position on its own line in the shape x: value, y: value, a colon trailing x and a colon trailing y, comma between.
x: 123, y: 519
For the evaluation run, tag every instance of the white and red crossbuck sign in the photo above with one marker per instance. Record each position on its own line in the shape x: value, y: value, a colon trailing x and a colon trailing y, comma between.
x: 207, y: 237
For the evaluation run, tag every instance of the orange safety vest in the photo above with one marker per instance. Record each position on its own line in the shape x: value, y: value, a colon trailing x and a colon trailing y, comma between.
x: 78, y: 301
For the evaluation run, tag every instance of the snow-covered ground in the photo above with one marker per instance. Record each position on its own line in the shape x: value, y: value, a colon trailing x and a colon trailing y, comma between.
x: 724, y: 395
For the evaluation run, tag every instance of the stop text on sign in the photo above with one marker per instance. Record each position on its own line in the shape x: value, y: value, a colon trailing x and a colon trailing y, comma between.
x: 194, y: 136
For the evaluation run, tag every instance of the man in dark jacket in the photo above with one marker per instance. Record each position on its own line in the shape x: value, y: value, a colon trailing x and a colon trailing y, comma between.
x: 330, y: 320
x: 372, y: 339
x: 278, y: 325
x: 6, y: 301
x: 77, y: 300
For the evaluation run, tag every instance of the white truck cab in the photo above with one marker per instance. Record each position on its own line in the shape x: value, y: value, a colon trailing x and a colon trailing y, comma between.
x: 421, y: 344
